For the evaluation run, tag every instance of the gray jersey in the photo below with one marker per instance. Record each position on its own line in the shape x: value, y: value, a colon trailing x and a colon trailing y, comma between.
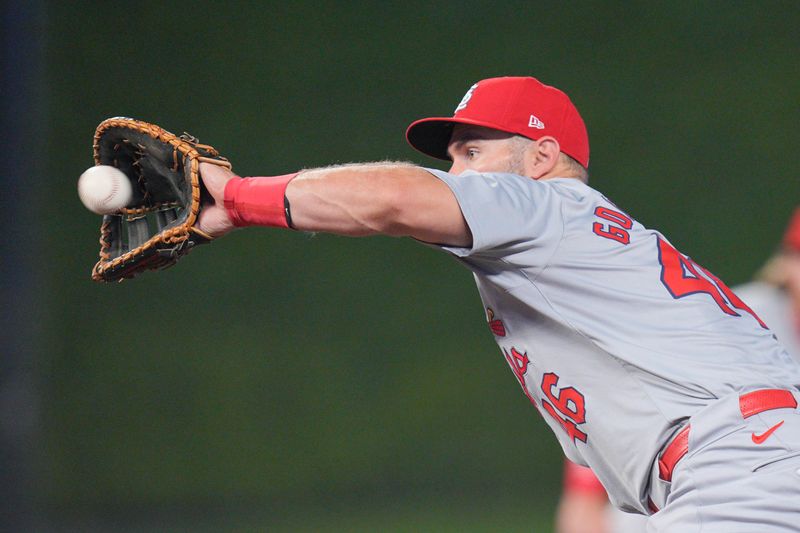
x: 613, y: 335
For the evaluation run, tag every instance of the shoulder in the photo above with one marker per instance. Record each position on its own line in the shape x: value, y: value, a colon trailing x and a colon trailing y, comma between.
x: 507, y: 213
x: 570, y: 187
x: 489, y: 177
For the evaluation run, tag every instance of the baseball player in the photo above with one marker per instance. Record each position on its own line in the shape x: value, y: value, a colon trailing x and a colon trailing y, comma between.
x: 645, y: 365
x: 775, y: 295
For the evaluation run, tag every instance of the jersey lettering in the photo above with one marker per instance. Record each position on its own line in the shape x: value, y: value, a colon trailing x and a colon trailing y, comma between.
x: 519, y: 365
x: 617, y: 230
x: 681, y: 276
x: 568, y: 402
x: 495, y: 324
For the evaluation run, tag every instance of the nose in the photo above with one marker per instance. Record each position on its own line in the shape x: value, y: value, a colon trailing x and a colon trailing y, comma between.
x: 456, y: 168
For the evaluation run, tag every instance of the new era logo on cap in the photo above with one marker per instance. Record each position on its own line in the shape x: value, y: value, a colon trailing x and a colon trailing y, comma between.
x: 521, y: 105
x: 534, y: 122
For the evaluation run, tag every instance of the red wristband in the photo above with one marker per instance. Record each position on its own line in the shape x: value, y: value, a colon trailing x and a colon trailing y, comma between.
x: 259, y: 201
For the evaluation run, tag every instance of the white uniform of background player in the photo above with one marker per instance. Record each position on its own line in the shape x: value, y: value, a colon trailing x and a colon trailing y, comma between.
x: 775, y: 293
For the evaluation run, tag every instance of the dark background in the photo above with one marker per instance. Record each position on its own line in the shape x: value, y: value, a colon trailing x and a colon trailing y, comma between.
x: 286, y: 382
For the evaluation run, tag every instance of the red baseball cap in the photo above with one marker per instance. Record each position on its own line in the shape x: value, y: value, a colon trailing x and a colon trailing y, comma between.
x: 791, y: 239
x: 521, y: 105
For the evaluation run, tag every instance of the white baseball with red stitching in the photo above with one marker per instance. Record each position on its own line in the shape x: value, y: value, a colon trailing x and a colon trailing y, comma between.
x: 104, y: 189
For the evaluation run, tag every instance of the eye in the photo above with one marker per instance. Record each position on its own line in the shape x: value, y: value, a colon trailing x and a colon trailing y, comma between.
x: 472, y: 153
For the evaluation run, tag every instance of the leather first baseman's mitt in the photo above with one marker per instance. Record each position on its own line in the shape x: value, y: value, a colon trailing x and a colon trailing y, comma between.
x: 157, y: 227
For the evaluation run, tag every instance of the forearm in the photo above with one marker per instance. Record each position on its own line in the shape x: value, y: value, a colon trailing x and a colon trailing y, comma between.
x: 355, y: 200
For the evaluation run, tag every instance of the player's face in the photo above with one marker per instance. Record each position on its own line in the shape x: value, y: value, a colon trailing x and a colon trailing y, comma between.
x: 485, y: 150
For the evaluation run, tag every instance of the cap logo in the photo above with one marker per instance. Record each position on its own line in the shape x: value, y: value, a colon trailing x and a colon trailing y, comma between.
x: 465, y: 100
x: 534, y: 122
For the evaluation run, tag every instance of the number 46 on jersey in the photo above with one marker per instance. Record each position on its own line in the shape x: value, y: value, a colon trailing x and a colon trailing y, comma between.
x: 680, y: 275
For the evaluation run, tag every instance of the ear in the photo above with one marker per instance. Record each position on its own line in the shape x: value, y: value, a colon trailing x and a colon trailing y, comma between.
x: 542, y: 157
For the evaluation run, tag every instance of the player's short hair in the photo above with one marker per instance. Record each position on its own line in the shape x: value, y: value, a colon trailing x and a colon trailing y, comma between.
x: 578, y: 170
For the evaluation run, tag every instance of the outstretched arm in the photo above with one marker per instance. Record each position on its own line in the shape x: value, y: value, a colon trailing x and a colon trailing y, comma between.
x: 367, y: 199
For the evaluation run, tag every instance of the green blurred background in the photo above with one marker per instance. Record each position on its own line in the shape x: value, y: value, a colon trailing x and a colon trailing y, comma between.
x: 287, y: 382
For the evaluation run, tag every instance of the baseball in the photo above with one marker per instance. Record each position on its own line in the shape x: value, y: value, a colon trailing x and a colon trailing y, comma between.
x: 104, y: 189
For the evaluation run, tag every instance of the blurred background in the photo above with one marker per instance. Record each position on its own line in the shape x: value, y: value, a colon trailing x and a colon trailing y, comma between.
x: 278, y: 381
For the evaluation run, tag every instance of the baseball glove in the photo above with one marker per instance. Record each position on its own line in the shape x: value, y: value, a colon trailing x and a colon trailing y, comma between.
x: 157, y: 227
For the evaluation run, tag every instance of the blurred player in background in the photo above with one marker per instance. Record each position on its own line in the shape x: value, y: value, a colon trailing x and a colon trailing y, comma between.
x: 774, y: 294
